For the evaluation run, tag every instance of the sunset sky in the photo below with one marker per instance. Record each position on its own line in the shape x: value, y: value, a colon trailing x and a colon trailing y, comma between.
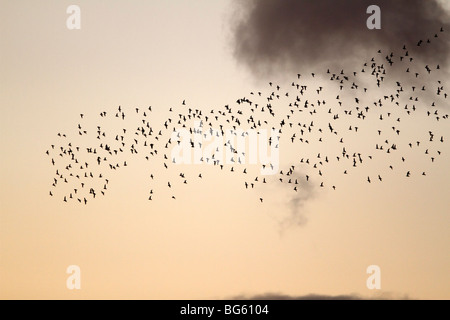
x: 216, y: 240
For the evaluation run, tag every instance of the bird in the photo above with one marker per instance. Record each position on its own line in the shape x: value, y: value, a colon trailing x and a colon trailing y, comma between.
x: 302, y: 117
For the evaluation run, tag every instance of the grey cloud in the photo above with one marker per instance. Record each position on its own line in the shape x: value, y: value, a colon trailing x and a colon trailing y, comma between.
x: 280, y: 296
x: 306, y: 192
x: 272, y: 37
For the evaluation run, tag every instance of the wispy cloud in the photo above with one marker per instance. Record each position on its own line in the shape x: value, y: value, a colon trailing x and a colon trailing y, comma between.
x: 281, y: 296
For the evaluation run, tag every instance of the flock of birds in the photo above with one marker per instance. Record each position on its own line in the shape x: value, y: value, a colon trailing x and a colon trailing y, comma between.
x: 386, y: 89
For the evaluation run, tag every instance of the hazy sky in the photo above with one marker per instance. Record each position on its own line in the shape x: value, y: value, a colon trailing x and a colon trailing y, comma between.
x: 216, y: 240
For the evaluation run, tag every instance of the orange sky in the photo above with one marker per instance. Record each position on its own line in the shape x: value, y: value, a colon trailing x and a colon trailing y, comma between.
x: 216, y: 240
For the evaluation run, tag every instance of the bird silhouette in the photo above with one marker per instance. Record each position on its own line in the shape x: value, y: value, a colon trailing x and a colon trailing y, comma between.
x: 377, y: 99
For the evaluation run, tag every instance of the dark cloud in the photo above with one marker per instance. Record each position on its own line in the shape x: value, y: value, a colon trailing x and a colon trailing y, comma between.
x: 297, y: 210
x: 271, y: 37
x: 280, y: 296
